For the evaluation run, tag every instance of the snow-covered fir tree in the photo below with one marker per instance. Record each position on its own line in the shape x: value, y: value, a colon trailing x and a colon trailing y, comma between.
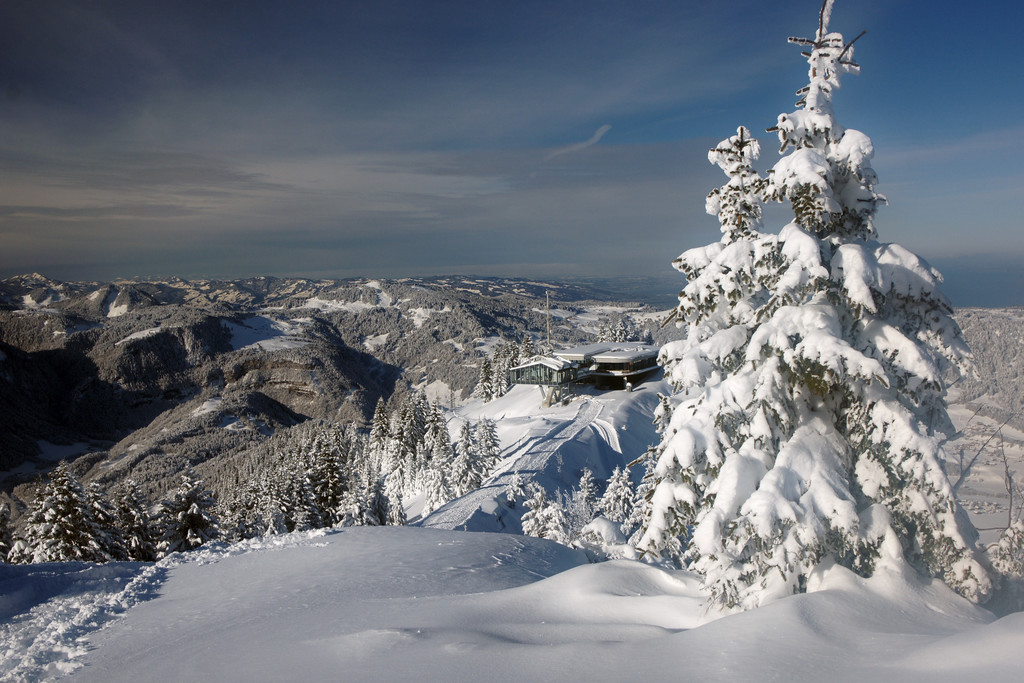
x: 588, y: 486
x: 570, y: 514
x: 134, y: 523
x: 536, y: 521
x: 380, y: 433
x: 466, y: 473
x: 484, y: 380
x: 527, y: 348
x: 436, y: 489
x: 329, y: 474
x: 1008, y: 553
x: 187, y: 519
x: 104, y: 517
x: 811, y: 410
x: 60, y: 526
x: 493, y: 381
x: 617, y: 502
x: 377, y: 509
x: 396, y: 507
x: 488, y: 448
x: 6, y: 536
x: 515, y: 489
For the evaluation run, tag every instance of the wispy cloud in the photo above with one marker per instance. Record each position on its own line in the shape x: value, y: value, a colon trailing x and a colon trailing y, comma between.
x: 594, y: 139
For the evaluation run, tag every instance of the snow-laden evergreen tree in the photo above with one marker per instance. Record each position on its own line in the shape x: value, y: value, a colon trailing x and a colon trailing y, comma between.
x: 527, y: 349
x: 273, y: 509
x: 483, y: 382
x: 104, y: 517
x: 436, y: 489
x: 188, y: 519
x: 1008, y: 552
x: 239, y: 514
x: 396, y: 507
x: 134, y: 522
x: 570, y: 514
x: 380, y: 433
x: 617, y: 502
x: 488, y: 448
x: 466, y: 473
x: 493, y: 382
x: 588, y: 486
x: 377, y: 509
x: 811, y: 409
x: 302, y: 501
x: 515, y: 489
x: 6, y: 536
x: 328, y: 474
x: 536, y: 521
x: 60, y: 526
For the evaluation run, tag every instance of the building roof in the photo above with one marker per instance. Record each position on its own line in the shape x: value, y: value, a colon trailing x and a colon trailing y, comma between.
x: 546, y: 361
x: 608, y: 352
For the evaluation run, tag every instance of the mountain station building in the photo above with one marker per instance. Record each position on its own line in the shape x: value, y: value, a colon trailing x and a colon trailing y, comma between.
x: 606, y: 365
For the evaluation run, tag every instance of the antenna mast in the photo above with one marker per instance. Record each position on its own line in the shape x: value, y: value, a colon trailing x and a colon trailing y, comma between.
x: 547, y: 309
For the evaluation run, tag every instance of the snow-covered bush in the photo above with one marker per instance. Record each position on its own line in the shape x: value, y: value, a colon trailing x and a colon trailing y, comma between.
x: 810, y: 407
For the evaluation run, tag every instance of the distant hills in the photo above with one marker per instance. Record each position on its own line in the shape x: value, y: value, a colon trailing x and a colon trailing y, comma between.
x: 149, y: 377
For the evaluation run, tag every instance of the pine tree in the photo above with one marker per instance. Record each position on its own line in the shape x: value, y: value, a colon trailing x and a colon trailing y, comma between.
x: 60, y: 527
x: 327, y: 476
x: 187, y: 520
x: 6, y: 537
x: 527, y: 349
x: 811, y: 407
x: 380, y: 433
x: 273, y: 509
x: 483, y: 382
x: 515, y: 490
x: 570, y: 515
x: 588, y: 486
x: 396, y: 509
x: 134, y: 523
x: 378, y: 507
x: 617, y: 502
x: 535, y: 521
x: 304, y: 513
x: 488, y: 449
x: 436, y: 489
x: 239, y: 514
x: 466, y: 474
x: 104, y: 518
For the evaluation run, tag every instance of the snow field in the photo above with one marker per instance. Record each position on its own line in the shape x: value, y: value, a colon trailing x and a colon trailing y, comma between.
x: 397, y: 604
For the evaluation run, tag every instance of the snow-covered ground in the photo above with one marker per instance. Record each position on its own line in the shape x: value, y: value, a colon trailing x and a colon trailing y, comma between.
x: 434, y: 603
x: 398, y: 604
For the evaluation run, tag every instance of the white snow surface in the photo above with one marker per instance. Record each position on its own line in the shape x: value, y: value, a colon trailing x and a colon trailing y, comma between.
x: 455, y: 603
x: 143, y: 334
x: 550, y: 446
x: 404, y: 604
x: 267, y: 334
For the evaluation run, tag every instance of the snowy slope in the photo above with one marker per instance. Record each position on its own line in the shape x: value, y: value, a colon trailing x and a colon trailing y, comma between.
x: 439, y: 604
x: 401, y: 604
x: 551, y: 446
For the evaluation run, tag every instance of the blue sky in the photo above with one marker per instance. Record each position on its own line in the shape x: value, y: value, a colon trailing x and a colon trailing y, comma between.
x: 392, y: 137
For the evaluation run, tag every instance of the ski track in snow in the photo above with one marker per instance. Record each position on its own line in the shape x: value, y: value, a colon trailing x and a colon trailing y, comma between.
x: 66, y: 601
x: 534, y: 455
x: 529, y: 456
